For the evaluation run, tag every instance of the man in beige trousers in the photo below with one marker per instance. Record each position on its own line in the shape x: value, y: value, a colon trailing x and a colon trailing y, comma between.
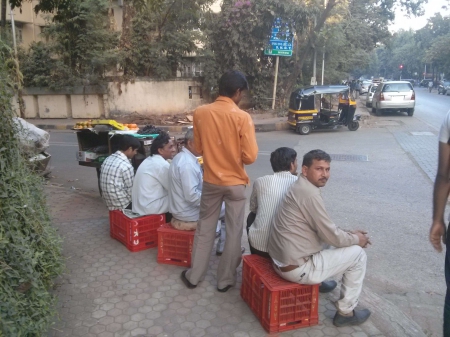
x: 225, y: 136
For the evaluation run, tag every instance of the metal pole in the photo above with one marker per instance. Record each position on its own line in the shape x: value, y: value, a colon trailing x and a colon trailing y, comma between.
x: 13, y: 26
x: 425, y: 73
x: 277, y: 60
x: 323, y: 64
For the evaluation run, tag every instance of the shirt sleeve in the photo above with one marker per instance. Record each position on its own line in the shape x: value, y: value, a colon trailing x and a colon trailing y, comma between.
x: 325, y: 227
x: 197, y: 139
x: 254, y: 198
x: 444, y: 133
x: 128, y: 176
x: 248, y: 141
x: 164, y: 177
x: 189, y: 182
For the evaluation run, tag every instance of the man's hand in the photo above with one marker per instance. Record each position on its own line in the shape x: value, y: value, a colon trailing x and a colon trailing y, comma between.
x: 363, y: 238
x: 437, y: 234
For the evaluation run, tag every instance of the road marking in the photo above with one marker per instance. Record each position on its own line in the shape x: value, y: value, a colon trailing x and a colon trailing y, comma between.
x: 265, y: 153
x: 63, y: 144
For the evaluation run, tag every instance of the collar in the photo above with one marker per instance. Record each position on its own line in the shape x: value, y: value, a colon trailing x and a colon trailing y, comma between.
x: 283, y: 173
x: 225, y: 99
x: 189, y: 153
x: 122, y: 155
x: 308, y: 182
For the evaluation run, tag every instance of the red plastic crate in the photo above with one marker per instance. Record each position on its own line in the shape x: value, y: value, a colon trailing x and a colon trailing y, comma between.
x: 175, y: 246
x: 280, y: 305
x: 138, y: 233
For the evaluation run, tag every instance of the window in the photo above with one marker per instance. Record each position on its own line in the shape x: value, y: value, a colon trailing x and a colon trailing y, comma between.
x: 397, y: 87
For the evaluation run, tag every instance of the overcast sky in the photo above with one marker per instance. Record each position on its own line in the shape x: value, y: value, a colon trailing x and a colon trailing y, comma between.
x: 432, y: 7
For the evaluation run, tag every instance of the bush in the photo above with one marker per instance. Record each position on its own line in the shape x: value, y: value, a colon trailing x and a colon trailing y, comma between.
x: 30, y: 249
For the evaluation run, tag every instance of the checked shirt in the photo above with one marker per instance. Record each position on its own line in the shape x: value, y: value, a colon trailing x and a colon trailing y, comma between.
x: 116, y: 181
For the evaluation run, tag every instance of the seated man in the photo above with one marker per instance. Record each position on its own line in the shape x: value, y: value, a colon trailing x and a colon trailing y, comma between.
x: 151, y: 184
x: 116, y: 175
x: 267, y: 194
x: 185, y: 190
x: 300, y: 228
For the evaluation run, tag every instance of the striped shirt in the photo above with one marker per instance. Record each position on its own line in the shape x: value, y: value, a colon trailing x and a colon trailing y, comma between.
x: 267, y: 194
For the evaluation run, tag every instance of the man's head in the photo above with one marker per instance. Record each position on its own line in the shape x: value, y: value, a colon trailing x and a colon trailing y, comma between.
x: 316, y: 167
x: 189, y: 142
x: 284, y: 159
x: 163, y: 146
x: 129, y: 145
x: 232, y: 84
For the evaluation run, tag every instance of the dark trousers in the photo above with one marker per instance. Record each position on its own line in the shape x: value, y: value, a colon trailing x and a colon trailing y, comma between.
x: 447, y: 297
x: 250, y: 219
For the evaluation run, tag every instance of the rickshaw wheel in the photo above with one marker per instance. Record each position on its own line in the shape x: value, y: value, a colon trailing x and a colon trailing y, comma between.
x: 304, y: 129
x: 353, y: 126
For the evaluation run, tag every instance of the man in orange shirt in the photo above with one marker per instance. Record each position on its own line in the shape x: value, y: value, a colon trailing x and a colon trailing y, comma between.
x: 225, y: 136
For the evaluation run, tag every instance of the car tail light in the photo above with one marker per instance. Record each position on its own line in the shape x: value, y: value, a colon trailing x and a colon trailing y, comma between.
x: 413, y: 96
x: 381, y: 97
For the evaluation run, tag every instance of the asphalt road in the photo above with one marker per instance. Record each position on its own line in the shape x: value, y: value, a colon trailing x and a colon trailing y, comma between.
x: 388, y: 194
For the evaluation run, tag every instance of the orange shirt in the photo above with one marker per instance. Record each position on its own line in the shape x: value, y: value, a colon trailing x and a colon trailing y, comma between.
x: 225, y: 136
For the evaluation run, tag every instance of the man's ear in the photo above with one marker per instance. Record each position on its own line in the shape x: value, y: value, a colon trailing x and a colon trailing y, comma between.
x: 305, y: 170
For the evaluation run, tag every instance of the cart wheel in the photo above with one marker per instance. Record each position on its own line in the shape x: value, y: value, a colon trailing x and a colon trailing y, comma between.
x: 304, y: 129
x: 353, y: 126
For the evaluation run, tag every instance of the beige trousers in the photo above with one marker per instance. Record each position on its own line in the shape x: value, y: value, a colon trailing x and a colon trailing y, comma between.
x: 351, y: 261
x: 212, y: 198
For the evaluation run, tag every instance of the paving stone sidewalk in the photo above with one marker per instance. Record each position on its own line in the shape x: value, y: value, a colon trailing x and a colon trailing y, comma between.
x: 107, y: 291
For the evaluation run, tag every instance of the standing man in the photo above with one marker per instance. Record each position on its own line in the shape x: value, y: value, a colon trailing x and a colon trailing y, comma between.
x: 225, y: 136
x: 430, y: 86
x: 301, y: 227
x: 438, y: 230
x: 151, y: 184
x: 116, y: 175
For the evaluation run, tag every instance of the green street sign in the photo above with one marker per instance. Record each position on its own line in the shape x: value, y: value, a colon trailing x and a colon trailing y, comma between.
x: 277, y: 52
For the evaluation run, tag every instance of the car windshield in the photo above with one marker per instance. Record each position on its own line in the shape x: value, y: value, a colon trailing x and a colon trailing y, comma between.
x: 396, y: 87
x: 373, y: 88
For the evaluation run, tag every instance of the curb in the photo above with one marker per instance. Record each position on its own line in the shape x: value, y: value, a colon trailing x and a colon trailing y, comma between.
x: 280, y: 126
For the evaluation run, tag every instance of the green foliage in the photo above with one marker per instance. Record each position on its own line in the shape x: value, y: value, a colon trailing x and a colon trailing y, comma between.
x: 80, y: 49
x: 30, y: 250
x: 163, y: 33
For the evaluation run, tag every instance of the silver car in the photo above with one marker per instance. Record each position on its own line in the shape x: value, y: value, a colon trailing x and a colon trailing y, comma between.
x: 395, y: 96
x: 370, y: 92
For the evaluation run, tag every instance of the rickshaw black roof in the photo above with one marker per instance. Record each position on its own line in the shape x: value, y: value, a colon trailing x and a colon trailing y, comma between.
x: 320, y: 89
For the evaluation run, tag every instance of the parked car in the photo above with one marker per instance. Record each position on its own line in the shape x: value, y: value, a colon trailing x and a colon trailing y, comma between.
x: 444, y: 87
x: 371, y: 90
x: 365, y: 86
x: 394, y: 96
x: 424, y: 82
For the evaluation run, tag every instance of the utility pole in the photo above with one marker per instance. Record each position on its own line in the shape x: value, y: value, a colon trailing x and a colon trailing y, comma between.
x: 277, y: 60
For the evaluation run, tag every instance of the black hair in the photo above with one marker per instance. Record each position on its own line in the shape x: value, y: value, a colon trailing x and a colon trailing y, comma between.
x: 281, y: 159
x: 317, y: 155
x: 127, y: 141
x: 231, y: 81
x: 159, y: 142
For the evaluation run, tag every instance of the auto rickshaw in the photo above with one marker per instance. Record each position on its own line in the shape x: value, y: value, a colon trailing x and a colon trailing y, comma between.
x: 320, y: 107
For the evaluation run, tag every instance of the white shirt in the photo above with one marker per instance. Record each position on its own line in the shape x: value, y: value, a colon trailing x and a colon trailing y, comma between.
x: 185, y: 191
x: 151, y: 186
x: 267, y: 194
x: 116, y: 181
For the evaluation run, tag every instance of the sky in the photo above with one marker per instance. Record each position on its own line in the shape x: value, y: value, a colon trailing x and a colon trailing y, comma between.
x: 403, y: 22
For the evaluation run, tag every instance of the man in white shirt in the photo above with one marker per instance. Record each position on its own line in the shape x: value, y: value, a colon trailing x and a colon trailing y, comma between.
x: 267, y: 194
x: 185, y: 191
x: 151, y: 184
x: 116, y: 175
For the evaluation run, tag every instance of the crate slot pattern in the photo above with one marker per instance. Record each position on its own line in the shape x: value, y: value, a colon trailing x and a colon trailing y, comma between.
x: 175, y: 246
x: 138, y: 233
x: 279, y: 305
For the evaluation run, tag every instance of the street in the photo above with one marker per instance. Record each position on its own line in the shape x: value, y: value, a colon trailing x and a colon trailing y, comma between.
x: 381, y: 181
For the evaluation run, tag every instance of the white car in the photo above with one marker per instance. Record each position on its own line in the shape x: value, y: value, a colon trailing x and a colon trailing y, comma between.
x: 371, y: 90
x: 365, y: 86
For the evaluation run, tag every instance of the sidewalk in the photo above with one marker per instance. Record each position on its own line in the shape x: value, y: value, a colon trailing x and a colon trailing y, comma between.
x: 108, y: 291
x: 261, y: 125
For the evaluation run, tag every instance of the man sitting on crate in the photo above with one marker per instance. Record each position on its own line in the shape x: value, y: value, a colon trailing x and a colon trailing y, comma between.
x: 151, y: 183
x: 185, y: 181
x: 299, y: 230
x: 116, y: 174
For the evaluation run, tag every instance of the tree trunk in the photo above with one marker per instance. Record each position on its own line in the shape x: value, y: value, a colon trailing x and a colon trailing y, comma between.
x: 125, y: 39
x: 309, y: 44
x: 3, y: 19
